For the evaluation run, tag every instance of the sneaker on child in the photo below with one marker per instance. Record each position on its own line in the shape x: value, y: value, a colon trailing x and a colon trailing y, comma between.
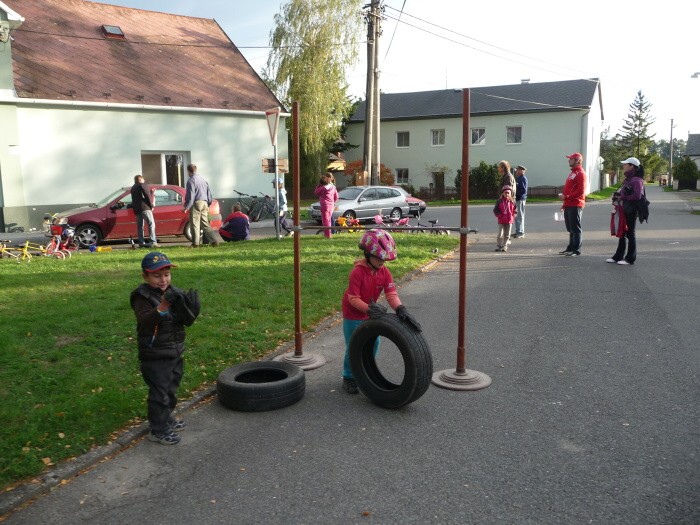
x: 164, y: 438
x: 350, y: 386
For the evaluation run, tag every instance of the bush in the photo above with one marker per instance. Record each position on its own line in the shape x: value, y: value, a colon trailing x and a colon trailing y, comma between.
x: 483, y: 181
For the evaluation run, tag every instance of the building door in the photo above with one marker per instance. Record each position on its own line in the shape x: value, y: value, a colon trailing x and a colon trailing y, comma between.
x: 439, y: 177
x: 164, y: 167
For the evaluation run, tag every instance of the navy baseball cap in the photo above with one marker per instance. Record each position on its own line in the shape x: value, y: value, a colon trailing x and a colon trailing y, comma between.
x: 155, y: 261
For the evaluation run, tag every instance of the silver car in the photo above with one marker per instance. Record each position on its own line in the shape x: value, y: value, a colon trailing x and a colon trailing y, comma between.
x: 364, y: 202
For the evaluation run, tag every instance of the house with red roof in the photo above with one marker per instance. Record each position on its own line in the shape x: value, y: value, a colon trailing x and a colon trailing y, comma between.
x: 92, y: 94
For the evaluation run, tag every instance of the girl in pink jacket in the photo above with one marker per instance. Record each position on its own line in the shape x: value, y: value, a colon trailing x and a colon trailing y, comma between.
x: 505, y: 212
x: 327, y: 195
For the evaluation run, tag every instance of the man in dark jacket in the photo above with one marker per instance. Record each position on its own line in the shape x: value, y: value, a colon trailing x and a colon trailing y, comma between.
x: 142, y: 201
x: 520, y: 198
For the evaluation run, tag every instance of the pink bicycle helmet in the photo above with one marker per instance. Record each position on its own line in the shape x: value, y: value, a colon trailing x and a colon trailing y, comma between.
x: 380, y: 244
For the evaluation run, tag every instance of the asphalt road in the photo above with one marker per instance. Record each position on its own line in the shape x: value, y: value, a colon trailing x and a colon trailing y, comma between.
x: 592, y: 415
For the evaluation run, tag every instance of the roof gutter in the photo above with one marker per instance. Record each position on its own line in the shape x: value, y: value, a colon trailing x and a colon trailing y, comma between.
x: 4, y: 99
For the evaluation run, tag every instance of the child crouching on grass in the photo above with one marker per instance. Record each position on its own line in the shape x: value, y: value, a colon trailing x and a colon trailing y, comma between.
x: 368, y: 279
x: 505, y: 212
x: 162, y: 312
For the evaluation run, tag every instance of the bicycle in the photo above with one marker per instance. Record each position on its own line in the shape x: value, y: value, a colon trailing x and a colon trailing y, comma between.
x: 19, y: 253
x: 5, y: 251
x: 245, y: 208
x: 261, y: 208
x: 50, y: 250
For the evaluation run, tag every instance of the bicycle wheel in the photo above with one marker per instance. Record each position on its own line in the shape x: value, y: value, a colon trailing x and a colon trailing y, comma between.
x: 255, y: 211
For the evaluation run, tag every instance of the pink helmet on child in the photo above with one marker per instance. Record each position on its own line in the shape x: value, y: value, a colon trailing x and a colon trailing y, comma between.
x: 380, y: 244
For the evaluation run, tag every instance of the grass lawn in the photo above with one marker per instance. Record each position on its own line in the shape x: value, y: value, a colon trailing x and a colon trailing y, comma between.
x: 69, y: 374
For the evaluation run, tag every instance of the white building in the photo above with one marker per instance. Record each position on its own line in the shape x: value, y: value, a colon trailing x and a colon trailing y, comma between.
x: 535, y: 125
x: 93, y: 94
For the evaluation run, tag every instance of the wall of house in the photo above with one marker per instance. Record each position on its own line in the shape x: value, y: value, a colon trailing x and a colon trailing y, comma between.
x: 546, y: 139
x: 70, y: 155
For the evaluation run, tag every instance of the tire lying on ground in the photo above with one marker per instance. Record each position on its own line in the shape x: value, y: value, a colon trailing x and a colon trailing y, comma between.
x: 417, y: 359
x: 260, y: 386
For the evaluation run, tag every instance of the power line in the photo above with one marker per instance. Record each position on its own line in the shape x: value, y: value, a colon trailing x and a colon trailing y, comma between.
x: 477, y: 49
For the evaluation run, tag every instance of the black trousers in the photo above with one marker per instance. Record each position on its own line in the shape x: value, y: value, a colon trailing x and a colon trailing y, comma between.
x: 163, y: 378
x: 629, y: 240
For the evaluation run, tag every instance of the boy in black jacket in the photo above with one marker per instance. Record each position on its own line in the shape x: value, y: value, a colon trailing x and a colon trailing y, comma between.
x: 162, y: 312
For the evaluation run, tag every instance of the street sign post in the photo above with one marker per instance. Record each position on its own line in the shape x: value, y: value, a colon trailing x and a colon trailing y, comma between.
x: 273, y: 119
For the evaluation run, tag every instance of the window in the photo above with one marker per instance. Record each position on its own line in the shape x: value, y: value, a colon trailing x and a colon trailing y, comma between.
x: 437, y: 137
x: 478, y: 136
x: 401, y: 175
x: 514, y: 134
x: 402, y: 139
x: 369, y: 195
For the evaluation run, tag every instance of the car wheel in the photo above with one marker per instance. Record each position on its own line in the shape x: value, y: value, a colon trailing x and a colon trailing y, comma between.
x: 187, y: 232
x: 395, y: 214
x: 349, y: 215
x: 417, y: 359
x: 260, y: 386
x: 88, y: 235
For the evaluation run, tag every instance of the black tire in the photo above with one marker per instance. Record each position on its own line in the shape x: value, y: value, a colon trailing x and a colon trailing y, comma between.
x: 418, y: 362
x: 349, y: 215
x: 395, y: 214
x: 88, y: 235
x: 261, y: 386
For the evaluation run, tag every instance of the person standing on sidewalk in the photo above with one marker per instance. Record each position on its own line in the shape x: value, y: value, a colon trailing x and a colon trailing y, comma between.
x: 574, y: 199
x: 520, y: 198
x: 198, y: 198
x: 142, y: 202
x: 630, y: 192
x: 504, y: 210
x: 507, y: 178
x: 283, y: 206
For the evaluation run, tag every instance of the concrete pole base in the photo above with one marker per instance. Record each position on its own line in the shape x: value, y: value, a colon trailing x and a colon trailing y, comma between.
x: 304, y: 361
x: 468, y: 380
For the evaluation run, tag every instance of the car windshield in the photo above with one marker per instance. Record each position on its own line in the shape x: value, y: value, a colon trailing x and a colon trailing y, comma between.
x: 350, y: 193
x: 109, y: 198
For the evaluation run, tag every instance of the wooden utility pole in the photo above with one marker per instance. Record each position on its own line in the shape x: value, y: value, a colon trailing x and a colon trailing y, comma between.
x: 370, y: 163
x: 377, y: 113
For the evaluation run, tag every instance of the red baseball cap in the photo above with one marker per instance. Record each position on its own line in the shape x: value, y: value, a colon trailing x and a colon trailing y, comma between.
x: 576, y: 155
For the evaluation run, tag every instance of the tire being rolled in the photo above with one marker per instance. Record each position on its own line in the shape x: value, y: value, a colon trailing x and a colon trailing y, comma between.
x: 260, y: 386
x: 415, y: 352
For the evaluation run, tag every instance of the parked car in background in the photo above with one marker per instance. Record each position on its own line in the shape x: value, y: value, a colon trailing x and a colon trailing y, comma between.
x: 113, y: 217
x: 416, y: 205
x: 364, y: 202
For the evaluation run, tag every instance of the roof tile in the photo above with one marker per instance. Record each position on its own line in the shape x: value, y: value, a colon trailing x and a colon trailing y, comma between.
x: 61, y: 53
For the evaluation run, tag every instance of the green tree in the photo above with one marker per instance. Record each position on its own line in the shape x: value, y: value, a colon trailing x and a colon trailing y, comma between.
x: 313, y: 44
x: 634, y: 137
x: 686, y: 169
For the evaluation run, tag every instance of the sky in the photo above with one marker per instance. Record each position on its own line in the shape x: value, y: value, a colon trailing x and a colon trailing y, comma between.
x: 630, y: 45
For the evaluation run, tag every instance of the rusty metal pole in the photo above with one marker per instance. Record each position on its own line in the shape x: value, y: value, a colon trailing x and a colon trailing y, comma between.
x: 461, y: 378
x: 308, y: 361
x: 298, y: 343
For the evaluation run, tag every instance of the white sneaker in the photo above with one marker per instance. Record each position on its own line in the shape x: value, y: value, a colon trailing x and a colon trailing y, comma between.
x: 611, y: 260
x: 508, y: 242
x: 623, y: 263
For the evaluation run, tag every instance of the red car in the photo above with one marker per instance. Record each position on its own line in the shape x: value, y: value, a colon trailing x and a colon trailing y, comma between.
x: 113, y: 217
x: 416, y: 205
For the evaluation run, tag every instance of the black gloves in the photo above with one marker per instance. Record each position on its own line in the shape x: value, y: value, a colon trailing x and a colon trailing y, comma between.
x: 184, y: 306
x: 375, y: 310
x: 407, y: 318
